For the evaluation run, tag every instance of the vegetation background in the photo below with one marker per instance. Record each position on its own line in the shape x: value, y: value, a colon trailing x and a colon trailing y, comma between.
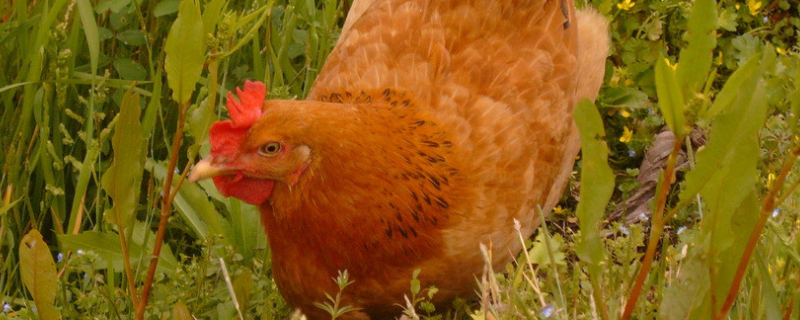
x: 689, y: 204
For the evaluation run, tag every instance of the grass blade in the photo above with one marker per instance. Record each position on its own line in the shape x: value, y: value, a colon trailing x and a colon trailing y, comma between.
x: 90, y: 29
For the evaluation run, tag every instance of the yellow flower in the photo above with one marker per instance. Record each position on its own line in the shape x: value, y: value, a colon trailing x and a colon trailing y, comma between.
x: 624, y: 113
x: 626, y: 135
x: 626, y: 5
x: 754, y: 6
x: 558, y: 210
x: 770, y: 180
x: 673, y: 66
x: 737, y: 6
x: 719, y: 58
x: 780, y: 50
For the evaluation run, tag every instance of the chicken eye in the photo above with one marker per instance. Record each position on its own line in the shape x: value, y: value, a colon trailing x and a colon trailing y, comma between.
x: 270, y: 149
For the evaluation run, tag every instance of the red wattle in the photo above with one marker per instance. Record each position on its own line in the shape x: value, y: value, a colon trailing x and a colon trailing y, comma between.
x: 250, y: 190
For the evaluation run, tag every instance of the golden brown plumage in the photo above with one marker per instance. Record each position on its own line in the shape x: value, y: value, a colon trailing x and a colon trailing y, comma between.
x: 432, y: 126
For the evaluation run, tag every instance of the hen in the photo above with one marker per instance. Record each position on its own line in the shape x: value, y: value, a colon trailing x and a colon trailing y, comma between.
x: 431, y: 128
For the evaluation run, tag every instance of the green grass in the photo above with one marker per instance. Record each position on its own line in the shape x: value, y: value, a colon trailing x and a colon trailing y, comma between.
x: 76, y: 76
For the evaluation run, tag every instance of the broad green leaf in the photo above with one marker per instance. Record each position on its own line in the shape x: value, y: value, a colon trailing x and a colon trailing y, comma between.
x: 211, y: 15
x: 670, y: 99
x: 105, y: 33
x: 727, y: 20
x: 740, y: 124
x: 730, y: 90
x: 165, y: 7
x: 695, y: 60
x: 129, y: 69
x: 120, y: 20
x: 132, y: 37
x: 120, y: 180
x: 746, y: 46
x: 624, y: 97
x: 539, y: 253
x: 38, y: 271
x: 90, y: 30
x: 742, y: 225
x: 181, y: 312
x: 245, y: 231
x: 243, y: 286
x: 117, y: 6
x: 688, y: 291
x: 185, y: 48
x: 107, y: 246
x: 597, y: 182
x: 734, y: 136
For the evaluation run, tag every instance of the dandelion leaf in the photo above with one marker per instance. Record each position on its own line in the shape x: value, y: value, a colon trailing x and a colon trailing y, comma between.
x: 742, y: 223
x: 731, y: 89
x: 736, y: 170
x: 739, y: 124
x: 597, y: 181
x: 121, y: 179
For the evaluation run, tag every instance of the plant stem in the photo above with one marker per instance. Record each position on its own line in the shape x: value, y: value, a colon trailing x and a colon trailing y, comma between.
x: 767, y: 207
x: 126, y: 258
x: 166, y: 208
x: 656, y: 230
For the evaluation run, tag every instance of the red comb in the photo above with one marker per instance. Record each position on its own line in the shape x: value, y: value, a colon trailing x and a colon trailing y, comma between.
x: 246, y: 112
x: 225, y: 136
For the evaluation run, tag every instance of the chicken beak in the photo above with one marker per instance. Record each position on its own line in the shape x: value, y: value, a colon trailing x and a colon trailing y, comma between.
x: 205, y: 169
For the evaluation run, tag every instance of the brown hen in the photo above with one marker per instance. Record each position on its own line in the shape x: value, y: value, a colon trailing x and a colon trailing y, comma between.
x: 432, y: 127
